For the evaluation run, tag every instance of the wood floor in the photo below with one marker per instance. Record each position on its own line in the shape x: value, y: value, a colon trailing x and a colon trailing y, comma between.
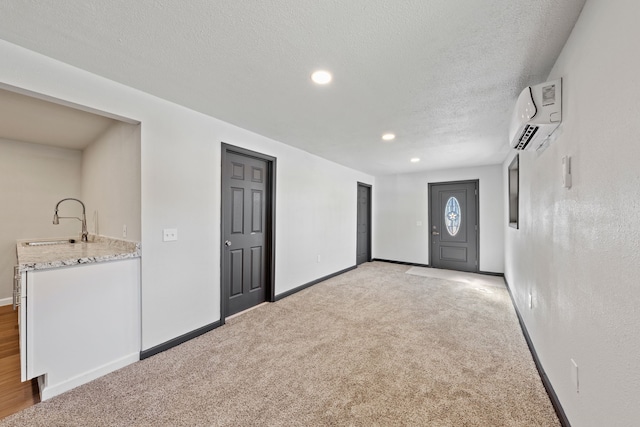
x: 14, y: 395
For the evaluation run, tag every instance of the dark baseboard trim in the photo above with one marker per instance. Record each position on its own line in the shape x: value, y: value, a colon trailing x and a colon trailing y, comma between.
x: 557, y: 406
x: 490, y: 273
x: 486, y: 273
x: 400, y: 262
x: 178, y: 340
x: 306, y: 285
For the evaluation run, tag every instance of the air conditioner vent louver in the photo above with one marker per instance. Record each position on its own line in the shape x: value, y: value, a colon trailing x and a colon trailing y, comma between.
x: 528, y: 133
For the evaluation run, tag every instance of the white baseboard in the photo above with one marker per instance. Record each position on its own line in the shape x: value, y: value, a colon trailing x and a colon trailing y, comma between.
x: 48, y: 391
x: 6, y: 301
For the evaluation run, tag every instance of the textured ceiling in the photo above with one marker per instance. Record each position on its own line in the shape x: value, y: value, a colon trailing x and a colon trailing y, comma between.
x: 442, y: 75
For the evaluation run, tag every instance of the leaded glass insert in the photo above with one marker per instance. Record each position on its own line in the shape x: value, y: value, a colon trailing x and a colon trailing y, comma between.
x: 452, y: 216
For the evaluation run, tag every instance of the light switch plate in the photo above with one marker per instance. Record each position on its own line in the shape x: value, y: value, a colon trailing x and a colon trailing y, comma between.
x: 169, y: 234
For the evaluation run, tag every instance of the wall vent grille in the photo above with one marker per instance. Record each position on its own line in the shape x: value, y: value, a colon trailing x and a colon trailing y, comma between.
x: 527, y: 135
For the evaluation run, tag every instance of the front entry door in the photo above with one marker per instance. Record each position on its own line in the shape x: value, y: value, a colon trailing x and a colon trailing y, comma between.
x: 454, y: 225
x: 244, y: 225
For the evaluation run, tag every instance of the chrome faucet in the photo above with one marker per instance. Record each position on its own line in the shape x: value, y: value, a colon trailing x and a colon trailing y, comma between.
x: 56, y: 218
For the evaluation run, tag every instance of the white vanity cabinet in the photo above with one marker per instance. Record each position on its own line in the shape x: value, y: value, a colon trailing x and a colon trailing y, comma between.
x: 78, y: 323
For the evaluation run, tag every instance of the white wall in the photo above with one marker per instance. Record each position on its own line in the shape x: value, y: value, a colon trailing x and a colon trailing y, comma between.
x: 578, y: 250
x: 180, y: 178
x: 111, y: 182
x: 33, y: 178
x: 400, y: 201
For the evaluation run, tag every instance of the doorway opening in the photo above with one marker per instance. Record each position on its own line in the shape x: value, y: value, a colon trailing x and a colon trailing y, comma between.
x: 247, y: 230
x: 363, y: 242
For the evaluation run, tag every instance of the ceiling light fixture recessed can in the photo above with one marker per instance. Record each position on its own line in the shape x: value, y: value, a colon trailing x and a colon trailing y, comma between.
x: 321, y: 77
x: 388, y: 137
x: 415, y: 160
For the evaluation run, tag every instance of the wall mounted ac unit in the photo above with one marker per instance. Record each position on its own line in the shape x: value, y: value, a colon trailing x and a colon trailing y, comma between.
x: 537, y: 114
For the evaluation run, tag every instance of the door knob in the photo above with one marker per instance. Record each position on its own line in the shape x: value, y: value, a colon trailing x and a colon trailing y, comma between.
x: 227, y: 242
x: 435, y: 233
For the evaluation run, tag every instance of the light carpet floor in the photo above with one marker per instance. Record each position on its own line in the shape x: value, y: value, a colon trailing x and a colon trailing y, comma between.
x: 371, y: 347
x: 477, y: 280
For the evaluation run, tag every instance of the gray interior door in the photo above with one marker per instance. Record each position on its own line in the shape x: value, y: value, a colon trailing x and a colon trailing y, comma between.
x: 363, y: 245
x: 454, y: 225
x: 244, y: 205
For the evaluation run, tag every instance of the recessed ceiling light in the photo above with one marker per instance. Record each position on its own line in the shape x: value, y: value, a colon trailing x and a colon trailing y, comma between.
x: 388, y: 136
x: 321, y: 77
x: 415, y: 160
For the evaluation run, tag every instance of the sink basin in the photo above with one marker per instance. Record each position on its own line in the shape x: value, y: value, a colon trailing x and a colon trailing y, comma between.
x: 50, y: 242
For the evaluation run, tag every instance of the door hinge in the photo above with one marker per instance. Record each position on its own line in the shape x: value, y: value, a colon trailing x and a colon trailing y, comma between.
x: 476, y: 228
x: 476, y: 263
x: 476, y: 191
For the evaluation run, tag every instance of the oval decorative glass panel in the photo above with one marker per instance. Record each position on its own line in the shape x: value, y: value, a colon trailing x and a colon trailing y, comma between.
x: 452, y: 216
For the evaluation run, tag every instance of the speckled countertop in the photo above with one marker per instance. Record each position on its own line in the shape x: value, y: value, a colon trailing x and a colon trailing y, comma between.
x: 98, y: 249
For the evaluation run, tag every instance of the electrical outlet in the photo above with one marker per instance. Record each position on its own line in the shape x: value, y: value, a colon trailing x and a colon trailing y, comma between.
x: 574, y: 375
x: 124, y: 230
x: 95, y: 223
x: 169, y: 234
